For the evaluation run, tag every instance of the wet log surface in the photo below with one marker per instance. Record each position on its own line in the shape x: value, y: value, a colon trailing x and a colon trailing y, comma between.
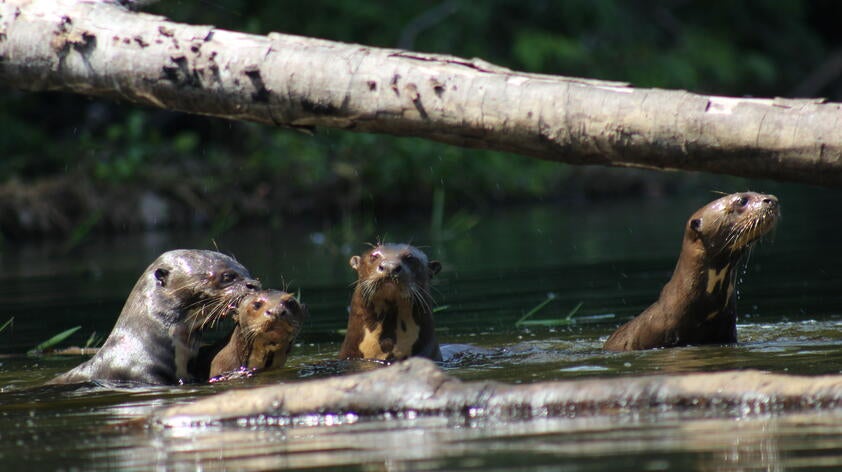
x: 420, y: 387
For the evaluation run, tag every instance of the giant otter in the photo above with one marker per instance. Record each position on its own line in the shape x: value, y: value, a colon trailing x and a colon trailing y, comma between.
x: 698, y: 304
x: 266, y: 324
x: 158, y: 331
x: 391, y: 315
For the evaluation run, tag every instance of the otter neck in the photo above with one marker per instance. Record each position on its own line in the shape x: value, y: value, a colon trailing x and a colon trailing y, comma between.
x: 709, y: 279
x: 243, y: 348
x: 255, y: 354
x: 175, y: 347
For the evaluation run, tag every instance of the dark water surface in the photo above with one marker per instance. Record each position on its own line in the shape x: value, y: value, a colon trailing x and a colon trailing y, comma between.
x: 612, y: 258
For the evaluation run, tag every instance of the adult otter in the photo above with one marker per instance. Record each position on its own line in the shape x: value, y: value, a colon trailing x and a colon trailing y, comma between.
x: 267, y: 323
x: 698, y: 304
x: 391, y: 316
x: 158, y: 331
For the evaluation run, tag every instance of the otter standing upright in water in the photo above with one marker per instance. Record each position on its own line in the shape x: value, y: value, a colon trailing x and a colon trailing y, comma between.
x: 267, y: 323
x: 698, y: 305
x: 158, y: 331
x: 391, y: 316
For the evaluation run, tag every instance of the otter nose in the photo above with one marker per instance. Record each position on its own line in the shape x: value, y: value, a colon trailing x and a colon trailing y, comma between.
x: 288, y: 306
x: 389, y: 268
x: 770, y: 200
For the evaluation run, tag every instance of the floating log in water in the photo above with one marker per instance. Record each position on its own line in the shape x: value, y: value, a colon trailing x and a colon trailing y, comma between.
x: 418, y: 386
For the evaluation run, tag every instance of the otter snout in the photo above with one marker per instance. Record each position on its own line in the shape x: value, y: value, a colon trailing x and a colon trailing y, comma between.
x: 390, y: 268
x: 770, y: 209
x: 772, y: 204
x: 285, y: 309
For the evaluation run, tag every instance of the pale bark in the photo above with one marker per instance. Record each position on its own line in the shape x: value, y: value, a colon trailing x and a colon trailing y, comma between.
x: 419, y: 387
x: 98, y: 48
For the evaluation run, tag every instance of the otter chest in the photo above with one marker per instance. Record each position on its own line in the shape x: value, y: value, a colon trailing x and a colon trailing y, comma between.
x: 720, y: 284
x: 264, y: 356
x: 393, y: 336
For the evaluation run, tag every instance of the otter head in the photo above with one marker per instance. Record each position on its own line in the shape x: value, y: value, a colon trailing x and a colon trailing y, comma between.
x: 197, y: 287
x: 400, y: 269
x: 726, y: 227
x: 271, y: 316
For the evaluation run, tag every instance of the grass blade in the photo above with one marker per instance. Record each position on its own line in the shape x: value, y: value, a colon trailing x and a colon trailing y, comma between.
x: 94, y: 341
x: 536, y: 309
x: 549, y: 322
x: 9, y: 322
x: 573, y: 311
x: 55, y: 339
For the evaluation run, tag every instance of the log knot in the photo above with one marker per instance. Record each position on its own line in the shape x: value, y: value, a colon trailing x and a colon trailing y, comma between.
x: 66, y: 37
x: 180, y: 73
x: 261, y: 93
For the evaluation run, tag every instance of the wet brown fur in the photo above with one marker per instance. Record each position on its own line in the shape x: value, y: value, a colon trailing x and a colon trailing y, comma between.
x: 391, y: 316
x: 698, y: 304
x: 157, y: 334
x: 266, y: 324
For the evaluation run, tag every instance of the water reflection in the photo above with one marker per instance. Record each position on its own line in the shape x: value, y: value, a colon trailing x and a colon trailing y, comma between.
x: 627, y: 443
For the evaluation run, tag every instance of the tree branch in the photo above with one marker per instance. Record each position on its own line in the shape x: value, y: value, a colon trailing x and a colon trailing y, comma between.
x: 98, y: 48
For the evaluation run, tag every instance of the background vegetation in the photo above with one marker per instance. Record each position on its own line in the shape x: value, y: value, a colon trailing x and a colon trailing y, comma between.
x: 70, y: 162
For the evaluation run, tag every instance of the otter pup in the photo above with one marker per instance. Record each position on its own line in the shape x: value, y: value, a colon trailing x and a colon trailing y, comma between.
x: 698, y: 304
x: 266, y: 324
x: 158, y: 331
x: 391, y: 316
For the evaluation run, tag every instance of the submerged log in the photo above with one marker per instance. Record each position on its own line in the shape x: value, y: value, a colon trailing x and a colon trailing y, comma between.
x: 418, y: 386
x: 98, y: 48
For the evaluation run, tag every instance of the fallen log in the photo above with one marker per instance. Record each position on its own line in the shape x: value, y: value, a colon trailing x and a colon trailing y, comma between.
x: 99, y: 48
x: 418, y: 387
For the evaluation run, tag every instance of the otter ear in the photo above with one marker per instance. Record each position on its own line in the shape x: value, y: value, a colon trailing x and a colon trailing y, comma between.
x: 355, y: 262
x: 435, y: 267
x: 696, y: 225
x: 162, y: 276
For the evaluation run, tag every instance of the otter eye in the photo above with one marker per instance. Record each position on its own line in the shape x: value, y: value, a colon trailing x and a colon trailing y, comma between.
x: 374, y: 256
x: 743, y: 201
x: 256, y: 305
x: 228, y: 277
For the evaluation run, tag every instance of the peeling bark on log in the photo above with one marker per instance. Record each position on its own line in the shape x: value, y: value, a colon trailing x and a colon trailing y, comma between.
x: 418, y: 386
x: 98, y: 48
